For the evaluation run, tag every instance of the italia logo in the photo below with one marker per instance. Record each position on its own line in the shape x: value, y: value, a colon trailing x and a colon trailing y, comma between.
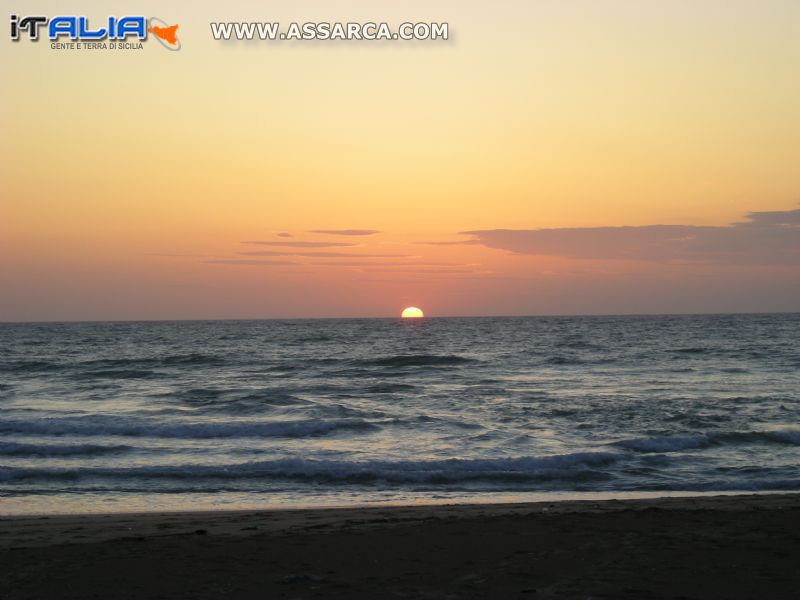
x: 78, y: 29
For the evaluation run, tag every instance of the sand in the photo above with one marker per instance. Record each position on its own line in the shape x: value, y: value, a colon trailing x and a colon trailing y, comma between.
x: 704, y: 547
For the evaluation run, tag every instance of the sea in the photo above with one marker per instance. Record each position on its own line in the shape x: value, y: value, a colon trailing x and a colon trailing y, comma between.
x: 196, y: 415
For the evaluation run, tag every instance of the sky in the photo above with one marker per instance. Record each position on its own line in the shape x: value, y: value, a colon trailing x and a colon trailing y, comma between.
x: 551, y: 157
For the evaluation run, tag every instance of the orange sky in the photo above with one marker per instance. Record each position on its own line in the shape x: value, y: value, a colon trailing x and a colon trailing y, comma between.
x: 132, y: 181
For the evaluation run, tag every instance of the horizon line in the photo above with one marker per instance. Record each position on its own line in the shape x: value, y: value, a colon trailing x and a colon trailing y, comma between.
x: 395, y: 317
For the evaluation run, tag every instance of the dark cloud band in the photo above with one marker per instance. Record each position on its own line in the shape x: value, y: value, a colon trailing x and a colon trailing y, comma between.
x: 764, y: 238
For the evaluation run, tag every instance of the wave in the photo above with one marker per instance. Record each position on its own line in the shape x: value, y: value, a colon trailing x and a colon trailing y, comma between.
x: 56, y: 450
x: 127, y: 427
x: 676, y: 443
x: 28, y: 366
x: 308, y: 339
x: 389, y: 388
x: 232, y: 399
x: 168, y: 360
x: 419, y: 360
x: 579, y: 345
x: 780, y: 436
x: 668, y: 443
x: 118, y: 367
x: 115, y: 374
x: 563, y: 360
x: 581, y: 466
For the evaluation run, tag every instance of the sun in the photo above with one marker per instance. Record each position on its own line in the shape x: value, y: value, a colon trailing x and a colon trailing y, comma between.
x: 412, y: 312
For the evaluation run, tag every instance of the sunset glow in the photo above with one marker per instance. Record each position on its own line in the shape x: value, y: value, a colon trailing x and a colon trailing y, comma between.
x: 412, y: 312
x: 512, y: 170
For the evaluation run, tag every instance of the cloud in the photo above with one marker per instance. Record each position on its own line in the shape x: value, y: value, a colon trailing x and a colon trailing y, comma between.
x: 440, y: 271
x: 285, y: 234
x: 321, y: 254
x: 376, y: 263
x: 764, y: 238
x: 301, y: 244
x: 249, y: 262
x: 346, y: 231
x: 453, y: 243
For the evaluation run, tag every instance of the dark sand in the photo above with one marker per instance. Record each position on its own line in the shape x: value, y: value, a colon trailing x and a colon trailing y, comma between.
x: 720, y: 547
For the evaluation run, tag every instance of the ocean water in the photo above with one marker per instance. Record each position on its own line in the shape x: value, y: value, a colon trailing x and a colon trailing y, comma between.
x: 180, y: 415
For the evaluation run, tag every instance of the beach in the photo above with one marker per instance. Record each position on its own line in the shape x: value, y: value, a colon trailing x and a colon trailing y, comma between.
x: 736, y: 546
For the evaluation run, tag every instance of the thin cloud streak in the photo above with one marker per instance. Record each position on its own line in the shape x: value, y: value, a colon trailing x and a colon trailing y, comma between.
x: 387, y: 269
x: 377, y: 263
x: 175, y: 255
x: 356, y: 232
x: 321, y: 254
x: 251, y: 262
x: 301, y: 244
x: 452, y: 243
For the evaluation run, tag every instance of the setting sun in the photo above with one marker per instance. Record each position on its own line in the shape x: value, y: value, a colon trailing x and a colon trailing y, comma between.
x: 412, y: 312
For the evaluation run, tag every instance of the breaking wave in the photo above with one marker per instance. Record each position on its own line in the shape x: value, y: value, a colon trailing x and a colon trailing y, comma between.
x: 578, y: 466
x: 676, y: 443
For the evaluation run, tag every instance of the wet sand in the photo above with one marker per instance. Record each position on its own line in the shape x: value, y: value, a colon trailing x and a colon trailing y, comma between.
x: 703, y: 547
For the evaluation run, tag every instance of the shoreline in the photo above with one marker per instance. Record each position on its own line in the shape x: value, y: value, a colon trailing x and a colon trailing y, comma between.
x: 635, y: 548
x: 17, y: 530
x: 483, y: 499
